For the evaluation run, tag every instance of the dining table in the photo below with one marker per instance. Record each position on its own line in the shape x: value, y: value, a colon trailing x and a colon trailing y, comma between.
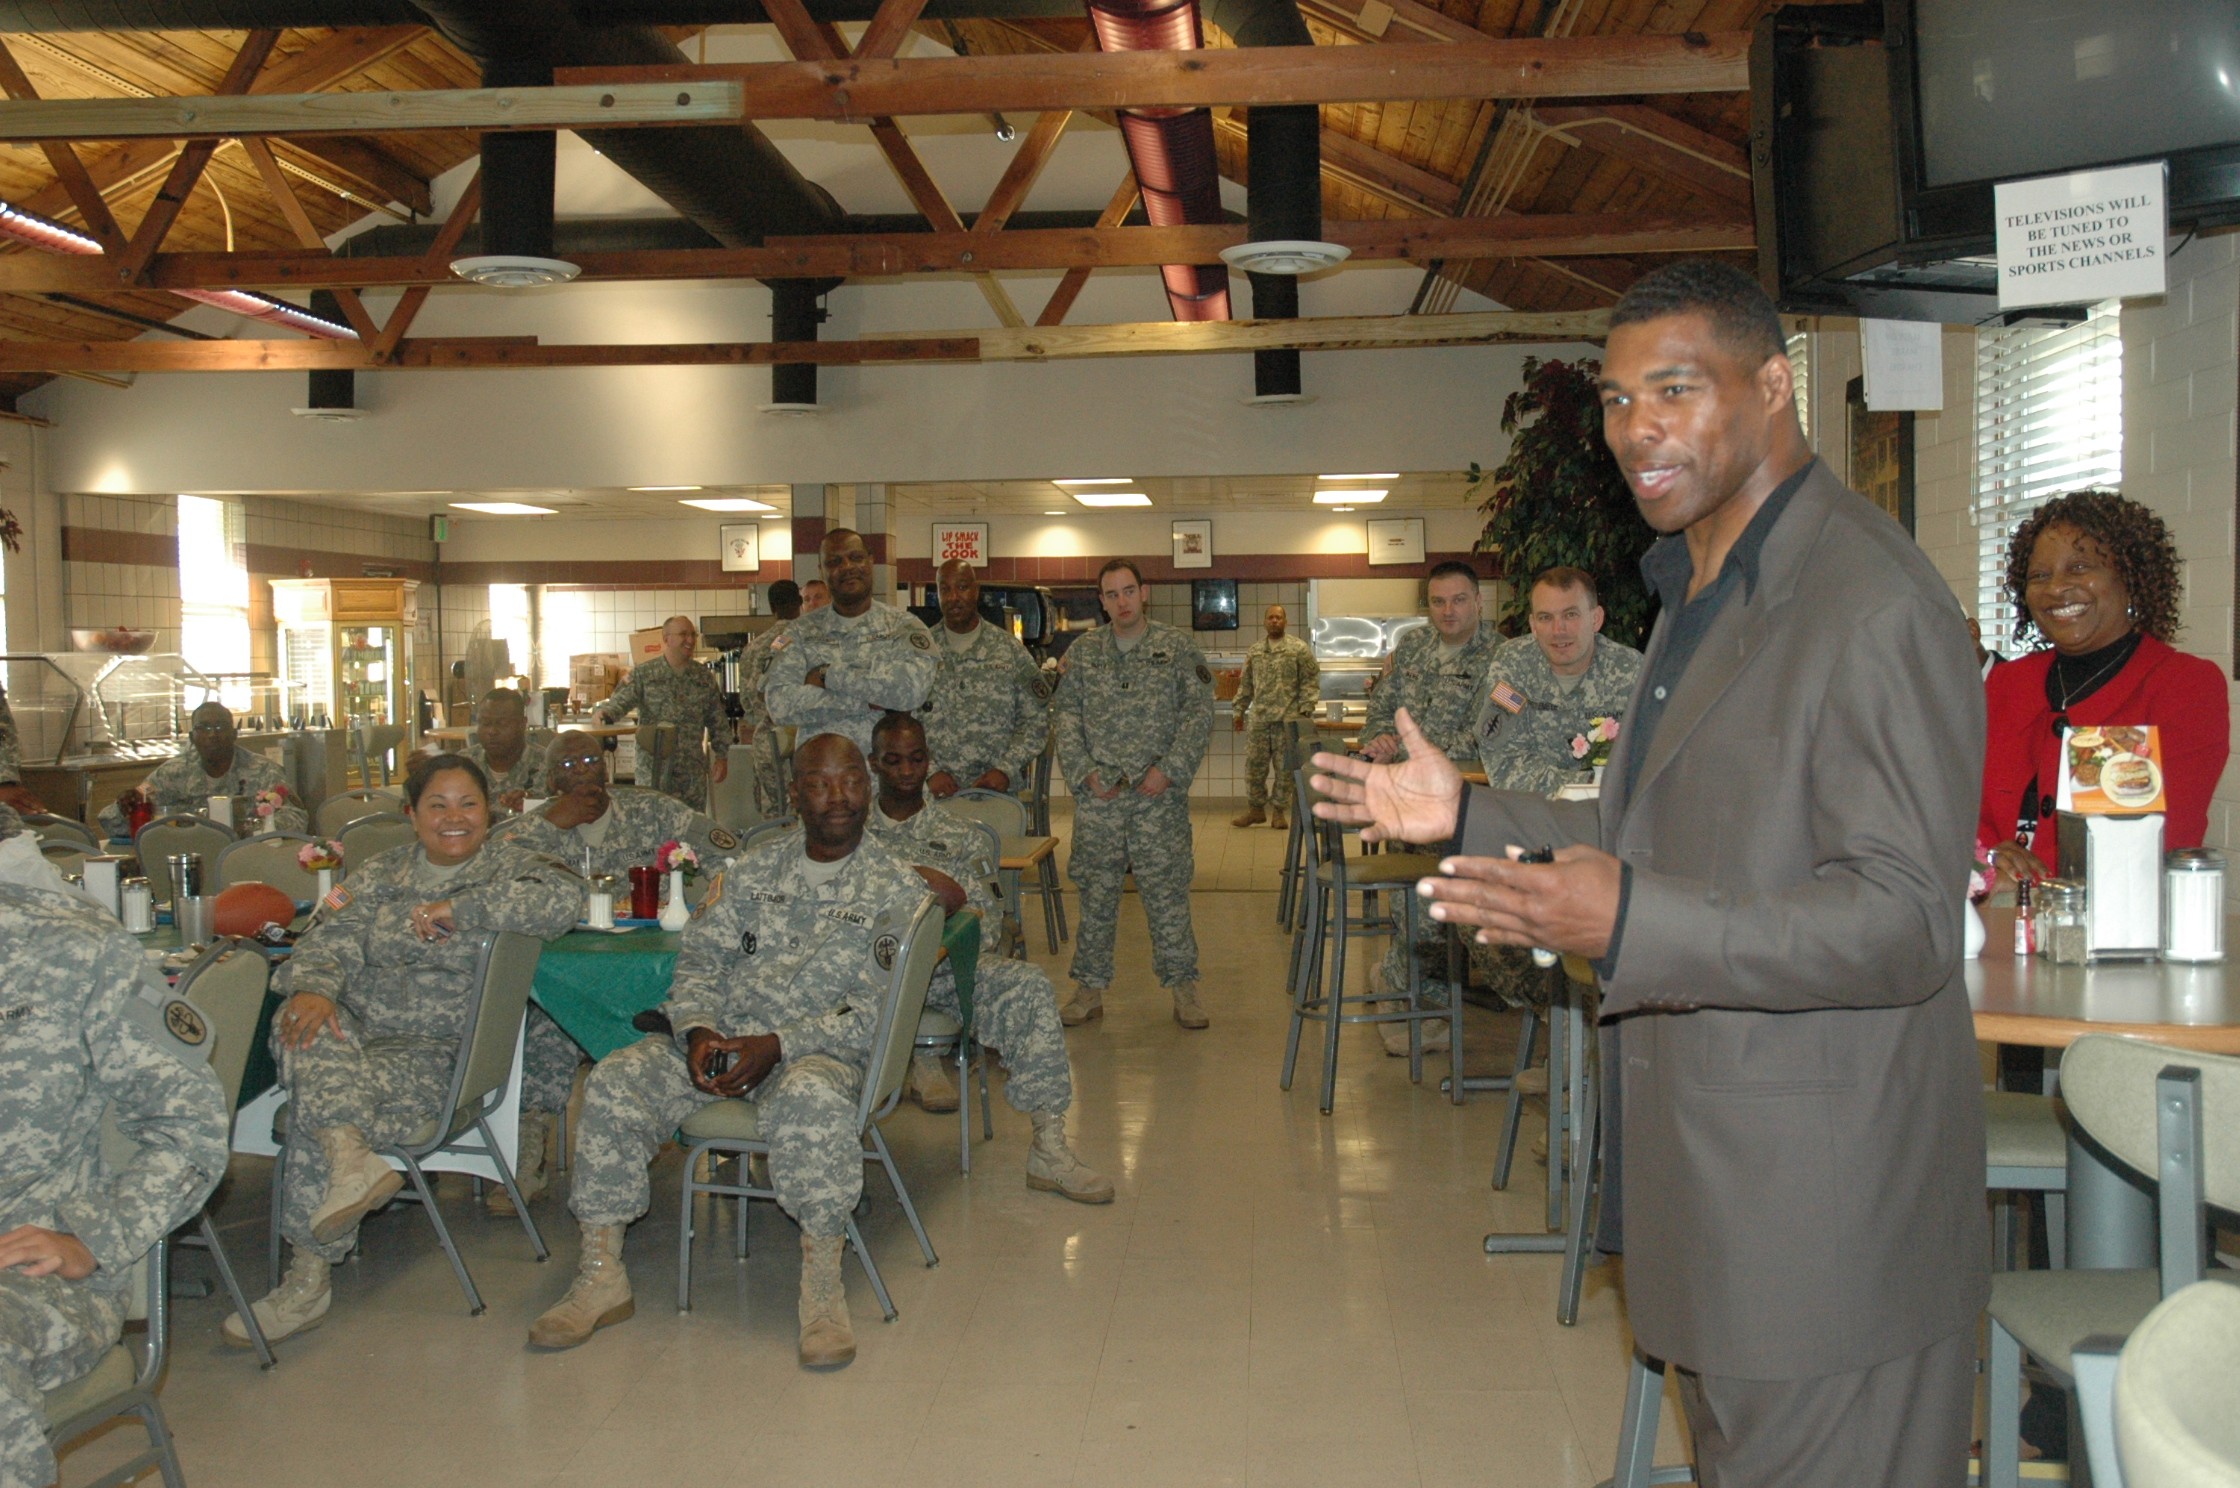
x: 2030, y: 1000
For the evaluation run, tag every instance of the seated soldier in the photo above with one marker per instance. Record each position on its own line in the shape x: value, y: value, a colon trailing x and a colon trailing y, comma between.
x: 776, y: 996
x: 87, y: 1038
x: 595, y: 828
x: 212, y: 764
x: 510, y: 752
x: 1014, y: 1007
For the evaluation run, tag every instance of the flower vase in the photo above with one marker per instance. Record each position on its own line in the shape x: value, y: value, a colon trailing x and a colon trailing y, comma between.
x: 1971, y: 931
x: 326, y: 881
x: 674, y: 914
x: 266, y: 824
x: 1598, y: 769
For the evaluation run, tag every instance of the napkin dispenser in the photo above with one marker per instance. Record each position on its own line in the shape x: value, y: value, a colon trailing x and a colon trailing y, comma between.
x: 2119, y: 861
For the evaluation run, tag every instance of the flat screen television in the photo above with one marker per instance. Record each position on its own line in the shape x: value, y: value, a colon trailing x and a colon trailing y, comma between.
x: 1879, y: 131
x: 1213, y: 604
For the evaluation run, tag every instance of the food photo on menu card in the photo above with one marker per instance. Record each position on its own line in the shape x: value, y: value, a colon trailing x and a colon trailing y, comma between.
x: 2115, y: 769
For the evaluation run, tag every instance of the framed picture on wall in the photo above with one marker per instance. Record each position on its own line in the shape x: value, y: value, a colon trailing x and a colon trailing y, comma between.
x: 1880, y: 448
x: 1193, y: 544
x: 742, y: 547
x: 1394, y: 540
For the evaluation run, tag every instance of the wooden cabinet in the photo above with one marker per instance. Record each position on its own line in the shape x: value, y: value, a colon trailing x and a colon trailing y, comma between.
x: 349, y: 642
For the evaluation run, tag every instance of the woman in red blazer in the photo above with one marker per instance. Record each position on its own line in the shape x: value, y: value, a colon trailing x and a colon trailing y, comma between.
x: 2096, y: 575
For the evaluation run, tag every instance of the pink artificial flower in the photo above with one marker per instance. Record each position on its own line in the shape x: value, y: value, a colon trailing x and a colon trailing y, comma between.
x: 1579, y: 746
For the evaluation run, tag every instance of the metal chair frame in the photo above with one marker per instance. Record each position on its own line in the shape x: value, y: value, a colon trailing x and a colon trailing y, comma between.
x: 891, y: 1043
x: 1047, y: 885
x: 483, y: 1086
x: 1290, y: 890
x: 232, y: 1016
x: 978, y: 806
x: 967, y: 1050
x: 139, y: 1399
x: 1318, y: 991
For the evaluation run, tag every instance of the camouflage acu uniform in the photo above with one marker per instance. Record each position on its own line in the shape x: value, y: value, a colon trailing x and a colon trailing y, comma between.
x: 691, y: 699
x: 87, y: 1032
x: 631, y: 832
x: 527, y: 774
x: 874, y: 662
x: 1282, y: 683
x: 1014, y: 1007
x: 755, y: 725
x: 1118, y: 715
x: 11, y: 745
x: 988, y: 708
x: 1439, y: 687
x: 402, y: 1001
x: 770, y: 951
x: 180, y: 784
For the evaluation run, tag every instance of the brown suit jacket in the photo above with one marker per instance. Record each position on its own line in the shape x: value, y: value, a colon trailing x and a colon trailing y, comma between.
x: 1797, y: 1083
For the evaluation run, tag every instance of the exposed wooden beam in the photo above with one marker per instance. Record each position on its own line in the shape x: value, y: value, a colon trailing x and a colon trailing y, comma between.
x: 362, y: 168
x: 1019, y: 176
x: 70, y: 171
x: 171, y: 197
x: 1020, y: 344
x: 857, y: 89
x: 337, y: 57
x: 1070, y: 285
x: 283, y: 194
x: 436, y: 261
x: 889, y: 28
x: 1655, y: 141
x: 896, y: 255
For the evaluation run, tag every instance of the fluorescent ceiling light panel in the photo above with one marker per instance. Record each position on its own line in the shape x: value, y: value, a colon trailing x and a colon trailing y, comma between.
x: 1377, y: 475
x: 1099, y: 480
x: 689, y: 488
x: 505, y: 508
x: 1110, y: 498
x: 728, y: 503
x: 1345, y: 498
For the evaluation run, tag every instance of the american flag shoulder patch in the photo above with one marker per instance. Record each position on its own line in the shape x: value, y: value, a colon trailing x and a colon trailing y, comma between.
x: 1508, y: 698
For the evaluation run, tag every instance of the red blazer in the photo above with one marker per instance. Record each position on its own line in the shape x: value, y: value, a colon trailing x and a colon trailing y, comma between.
x: 2182, y: 695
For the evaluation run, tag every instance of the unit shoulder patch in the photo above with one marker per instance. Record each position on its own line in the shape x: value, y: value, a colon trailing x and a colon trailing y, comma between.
x: 185, y: 1023
x: 883, y: 951
x: 921, y: 640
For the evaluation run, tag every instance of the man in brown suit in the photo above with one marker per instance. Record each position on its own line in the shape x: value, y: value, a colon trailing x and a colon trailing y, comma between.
x: 1771, y: 888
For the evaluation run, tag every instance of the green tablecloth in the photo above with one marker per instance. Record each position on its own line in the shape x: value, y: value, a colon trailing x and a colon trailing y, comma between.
x: 593, y: 984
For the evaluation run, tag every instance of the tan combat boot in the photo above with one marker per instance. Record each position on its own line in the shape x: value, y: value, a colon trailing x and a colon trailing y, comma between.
x: 1278, y: 820
x: 530, y: 1171
x: 930, y: 1084
x: 1187, y: 1011
x: 827, y: 1339
x: 1053, y: 1168
x: 297, y: 1305
x: 598, y: 1298
x: 1252, y: 817
x: 358, y: 1183
x: 1086, y: 1003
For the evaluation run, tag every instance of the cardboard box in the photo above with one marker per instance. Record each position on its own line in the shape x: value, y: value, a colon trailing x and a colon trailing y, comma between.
x: 593, y: 676
x: 645, y: 645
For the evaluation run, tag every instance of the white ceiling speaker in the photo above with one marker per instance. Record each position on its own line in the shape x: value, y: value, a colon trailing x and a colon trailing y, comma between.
x: 1286, y: 256
x: 513, y: 270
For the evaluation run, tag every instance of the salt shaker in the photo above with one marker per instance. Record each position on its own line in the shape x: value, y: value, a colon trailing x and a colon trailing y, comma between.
x: 2193, y: 905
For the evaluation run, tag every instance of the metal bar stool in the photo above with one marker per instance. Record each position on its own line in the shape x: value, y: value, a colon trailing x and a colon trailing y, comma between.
x: 1290, y: 891
x: 1046, y: 885
x: 1329, y: 876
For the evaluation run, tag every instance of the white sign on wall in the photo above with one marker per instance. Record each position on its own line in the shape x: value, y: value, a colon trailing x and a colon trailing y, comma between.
x: 2082, y: 238
x: 1904, y: 364
x: 965, y: 540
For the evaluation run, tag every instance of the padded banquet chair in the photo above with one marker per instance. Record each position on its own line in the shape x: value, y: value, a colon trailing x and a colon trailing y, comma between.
x: 369, y: 837
x: 733, y: 1126
x: 269, y: 858
x: 344, y: 807
x: 50, y: 828
x: 1008, y: 818
x: 1046, y: 885
x: 950, y: 1036
x: 2175, y: 1425
x: 178, y: 833
x: 119, y: 1386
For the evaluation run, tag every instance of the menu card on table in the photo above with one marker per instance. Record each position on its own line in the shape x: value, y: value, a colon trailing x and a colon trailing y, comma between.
x: 2112, y: 770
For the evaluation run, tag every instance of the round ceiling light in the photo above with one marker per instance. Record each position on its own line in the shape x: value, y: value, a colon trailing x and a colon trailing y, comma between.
x: 1286, y: 256
x: 513, y: 270
x: 793, y: 409
x: 330, y: 415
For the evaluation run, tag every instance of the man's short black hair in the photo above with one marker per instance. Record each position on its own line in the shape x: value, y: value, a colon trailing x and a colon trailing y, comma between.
x: 1741, y: 315
x: 1453, y: 568
x: 784, y: 592
x: 1114, y: 565
x: 892, y: 721
x: 503, y: 695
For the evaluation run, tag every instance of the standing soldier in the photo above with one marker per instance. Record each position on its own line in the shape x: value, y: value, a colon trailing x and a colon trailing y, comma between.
x: 988, y: 713
x: 1437, y: 672
x: 755, y: 728
x: 1134, y: 712
x: 838, y: 670
x: 87, y: 1039
x: 674, y: 689
x: 1281, y: 686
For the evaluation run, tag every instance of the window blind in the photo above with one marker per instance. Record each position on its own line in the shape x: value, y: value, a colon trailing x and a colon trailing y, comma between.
x: 2049, y: 419
x: 1800, y: 367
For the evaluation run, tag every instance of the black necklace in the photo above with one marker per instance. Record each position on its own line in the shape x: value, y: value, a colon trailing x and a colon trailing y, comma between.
x: 2096, y: 668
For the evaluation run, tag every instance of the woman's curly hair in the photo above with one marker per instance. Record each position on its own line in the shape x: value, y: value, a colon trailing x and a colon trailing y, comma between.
x: 2138, y: 546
